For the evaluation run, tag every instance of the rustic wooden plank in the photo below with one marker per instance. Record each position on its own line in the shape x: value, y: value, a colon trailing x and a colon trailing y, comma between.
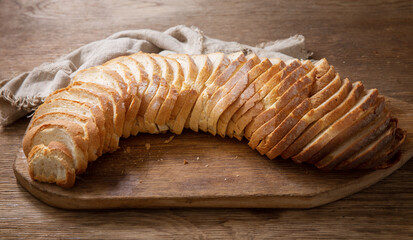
x: 366, y: 40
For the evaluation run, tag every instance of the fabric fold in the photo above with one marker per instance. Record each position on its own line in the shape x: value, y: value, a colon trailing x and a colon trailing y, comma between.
x: 23, y: 93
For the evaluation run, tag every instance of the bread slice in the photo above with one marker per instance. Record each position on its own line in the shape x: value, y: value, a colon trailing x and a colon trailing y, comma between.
x: 280, y: 96
x: 167, y: 107
x: 83, y: 109
x: 237, y: 60
x: 353, y: 127
x: 263, y: 131
x: 154, y: 96
x: 219, y: 63
x: 116, y: 107
x: 175, y: 85
x: 370, y: 150
x: 86, y: 96
x: 337, y: 127
x: 52, y: 164
x: 286, y: 124
x: 354, y: 143
x: 225, y: 95
x: 141, y: 78
x: 183, y: 105
x: 281, y: 138
x: 105, y: 78
x: 90, y: 130
x: 133, y: 102
x: 312, y: 116
x: 205, y: 69
x: 265, y: 71
x: 67, y: 133
x: 254, y: 105
x: 316, y: 127
x: 383, y: 159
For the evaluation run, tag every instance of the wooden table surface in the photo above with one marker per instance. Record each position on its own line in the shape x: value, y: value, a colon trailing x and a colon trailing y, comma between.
x: 369, y: 41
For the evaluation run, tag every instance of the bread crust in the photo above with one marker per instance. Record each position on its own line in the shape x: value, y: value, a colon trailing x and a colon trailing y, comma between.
x: 54, y: 148
x: 229, y: 92
x: 335, y: 128
x: 174, y: 76
x: 369, y: 151
x: 307, y: 109
x: 316, y: 127
x: 74, y: 131
x: 258, y: 76
x: 382, y: 158
x: 219, y: 63
x: 236, y: 61
x: 354, y: 143
x: 254, y: 105
x: 116, y: 108
x: 91, y: 132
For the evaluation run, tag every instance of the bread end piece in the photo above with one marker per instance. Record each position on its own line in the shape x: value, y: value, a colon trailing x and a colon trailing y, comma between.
x: 52, y: 164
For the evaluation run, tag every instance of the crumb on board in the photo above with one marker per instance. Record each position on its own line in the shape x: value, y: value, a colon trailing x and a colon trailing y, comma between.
x: 147, y: 146
x: 169, y: 139
x: 185, y: 162
x: 235, y: 157
x: 237, y: 175
x: 206, y: 165
x: 225, y: 179
x: 197, y: 158
x: 128, y: 149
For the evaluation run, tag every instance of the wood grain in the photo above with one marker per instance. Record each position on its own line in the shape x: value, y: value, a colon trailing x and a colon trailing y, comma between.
x: 199, y: 170
x: 366, y: 40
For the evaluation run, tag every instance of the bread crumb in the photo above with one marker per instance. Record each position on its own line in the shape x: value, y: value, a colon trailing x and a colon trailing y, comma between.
x: 225, y: 179
x: 235, y: 157
x: 237, y: 175
x: 128, y: 149
x: 185, y: 162
x: 197, y: 158
x: 206, y: 165
x: 148, y: 146
x: 169, y: 139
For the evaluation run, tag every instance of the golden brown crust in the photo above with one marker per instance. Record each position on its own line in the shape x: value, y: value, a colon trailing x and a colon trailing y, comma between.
x: 255, y: 105
x: 229, y: 92
x: 54, y: 148
x: 91, y: 132
x: 74, y: 131
x: 219, y: 64
x: 305, y: 109
x: 258, y: 76
x: 336, y: 128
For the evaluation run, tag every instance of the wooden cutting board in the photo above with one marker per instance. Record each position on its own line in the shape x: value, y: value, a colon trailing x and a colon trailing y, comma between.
x: 200, y: 170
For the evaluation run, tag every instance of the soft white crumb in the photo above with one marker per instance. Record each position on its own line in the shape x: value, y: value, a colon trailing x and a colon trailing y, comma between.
x: 206, y: 165
x: 148, y: 146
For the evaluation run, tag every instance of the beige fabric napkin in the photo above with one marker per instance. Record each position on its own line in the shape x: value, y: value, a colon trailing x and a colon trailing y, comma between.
x: 22, y: 94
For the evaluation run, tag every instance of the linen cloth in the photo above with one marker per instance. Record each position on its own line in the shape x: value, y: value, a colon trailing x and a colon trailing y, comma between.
x: 22, y: 94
